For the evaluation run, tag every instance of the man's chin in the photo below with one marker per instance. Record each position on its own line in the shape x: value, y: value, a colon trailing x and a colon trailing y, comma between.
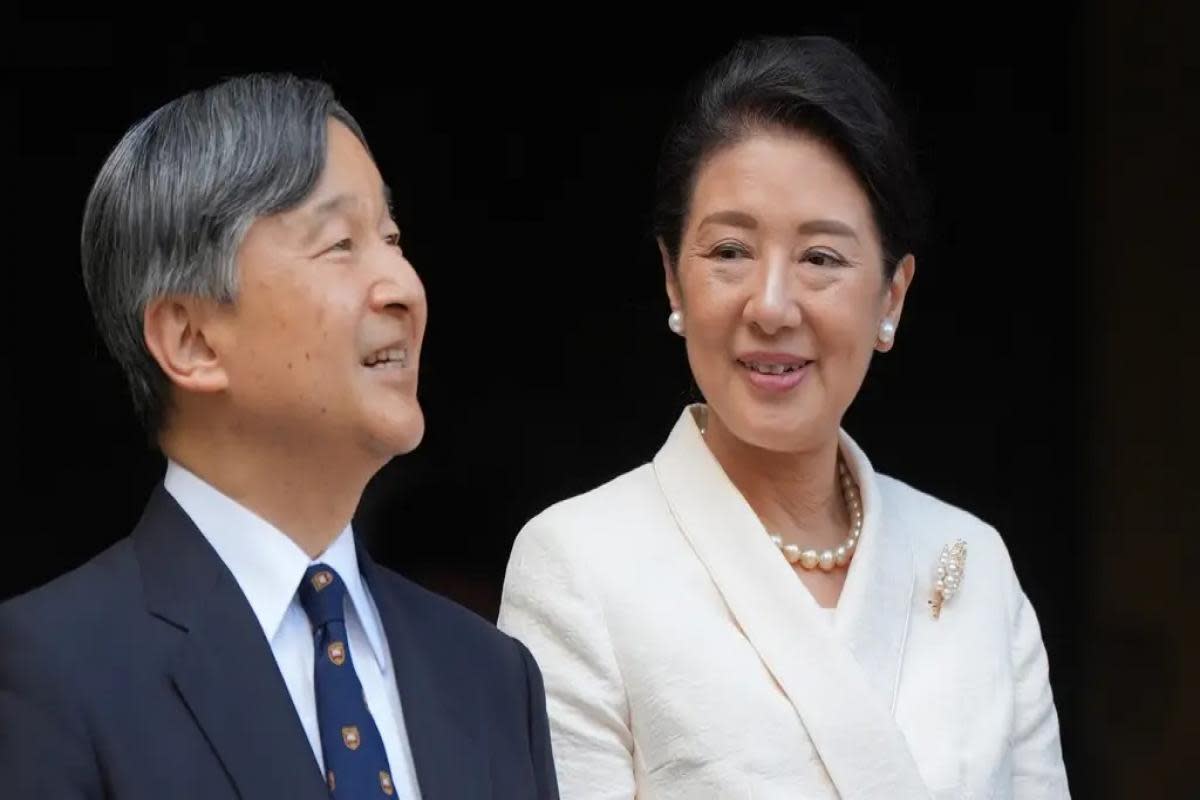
x: 398, y: 436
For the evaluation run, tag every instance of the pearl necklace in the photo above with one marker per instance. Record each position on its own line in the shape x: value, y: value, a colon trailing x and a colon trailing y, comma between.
x: 841, y: 555
x: 825, y: 559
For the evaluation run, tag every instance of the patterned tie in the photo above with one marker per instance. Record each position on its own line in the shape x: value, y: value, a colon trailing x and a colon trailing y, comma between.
x: 356, y: 764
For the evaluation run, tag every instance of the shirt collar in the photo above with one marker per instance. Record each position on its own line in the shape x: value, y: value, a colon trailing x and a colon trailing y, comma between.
x: 267, y: 565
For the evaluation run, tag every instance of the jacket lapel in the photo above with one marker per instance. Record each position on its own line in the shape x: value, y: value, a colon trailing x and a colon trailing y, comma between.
x: 875, y: 608
x: 224, y: 670
x: 448, y: 760
x: 841, y: 682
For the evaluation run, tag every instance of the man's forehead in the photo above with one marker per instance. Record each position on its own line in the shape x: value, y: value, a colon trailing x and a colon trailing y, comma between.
x: 332, y: 199
x: 322, y: 205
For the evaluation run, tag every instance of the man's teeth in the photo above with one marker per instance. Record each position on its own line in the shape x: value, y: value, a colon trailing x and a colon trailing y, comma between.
x: 772, y: 369
x: 391, y: 355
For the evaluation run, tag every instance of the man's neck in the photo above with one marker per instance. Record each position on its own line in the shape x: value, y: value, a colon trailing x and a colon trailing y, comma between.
x: 309, y: 495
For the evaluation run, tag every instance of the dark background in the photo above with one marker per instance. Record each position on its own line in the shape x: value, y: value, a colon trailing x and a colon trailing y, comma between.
x: 1044, y: 373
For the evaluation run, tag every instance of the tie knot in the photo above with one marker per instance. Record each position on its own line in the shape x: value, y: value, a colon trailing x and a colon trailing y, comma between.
x: 323, y: 595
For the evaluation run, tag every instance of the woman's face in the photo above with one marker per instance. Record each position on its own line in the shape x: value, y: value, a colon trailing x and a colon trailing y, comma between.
x: 781, y: 284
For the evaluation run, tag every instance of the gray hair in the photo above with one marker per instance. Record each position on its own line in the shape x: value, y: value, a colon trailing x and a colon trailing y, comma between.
x: 176, y: 196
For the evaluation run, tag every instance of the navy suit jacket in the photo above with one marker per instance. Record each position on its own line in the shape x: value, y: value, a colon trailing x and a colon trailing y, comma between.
x: 144, y: 674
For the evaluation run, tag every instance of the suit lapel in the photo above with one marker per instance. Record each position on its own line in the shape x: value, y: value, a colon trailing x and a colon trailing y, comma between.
x: 224, y: 670
x: 448, y: 760
x: 841, y: 682
x: 875, y: 608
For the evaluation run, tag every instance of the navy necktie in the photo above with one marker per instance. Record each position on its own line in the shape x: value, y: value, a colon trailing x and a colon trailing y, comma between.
x: 356, y: 764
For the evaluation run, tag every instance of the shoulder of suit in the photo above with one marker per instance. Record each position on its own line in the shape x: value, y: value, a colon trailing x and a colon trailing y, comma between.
x: 85, y: 597
x: 932, y: 523
x: 622, y: 515
x: 440, y: 613
x: 45, y: 631
x: 623, y: 499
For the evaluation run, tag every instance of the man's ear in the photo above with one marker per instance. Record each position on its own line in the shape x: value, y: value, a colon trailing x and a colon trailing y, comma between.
x: 175, y: 332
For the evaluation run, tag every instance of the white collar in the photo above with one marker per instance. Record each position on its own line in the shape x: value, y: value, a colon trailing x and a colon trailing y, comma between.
x: 267, y: 565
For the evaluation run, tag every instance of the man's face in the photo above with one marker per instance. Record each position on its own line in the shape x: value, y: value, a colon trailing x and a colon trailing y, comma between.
x: 322, y: 344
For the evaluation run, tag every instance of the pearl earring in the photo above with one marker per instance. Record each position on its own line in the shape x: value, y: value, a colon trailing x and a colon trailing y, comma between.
x: 887, y: 331
x: 675, y: 322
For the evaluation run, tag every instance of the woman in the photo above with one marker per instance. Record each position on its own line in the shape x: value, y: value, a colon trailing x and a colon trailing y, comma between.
x: 758, y: 613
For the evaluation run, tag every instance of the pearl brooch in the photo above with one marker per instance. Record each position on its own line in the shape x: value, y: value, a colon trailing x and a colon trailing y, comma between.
x: 950, y: 567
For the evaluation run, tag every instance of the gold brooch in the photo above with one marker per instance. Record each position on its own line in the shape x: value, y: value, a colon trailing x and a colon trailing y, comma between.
x: 949, y: 575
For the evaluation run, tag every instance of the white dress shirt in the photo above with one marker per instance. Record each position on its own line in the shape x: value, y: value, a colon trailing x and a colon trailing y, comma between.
x: 268, y: 566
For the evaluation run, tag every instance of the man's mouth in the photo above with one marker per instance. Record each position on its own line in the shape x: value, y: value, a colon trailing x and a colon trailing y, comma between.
x: 388, y: 358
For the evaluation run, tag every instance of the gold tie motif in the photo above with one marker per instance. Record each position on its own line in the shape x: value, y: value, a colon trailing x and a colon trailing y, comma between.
x: 350, y: 737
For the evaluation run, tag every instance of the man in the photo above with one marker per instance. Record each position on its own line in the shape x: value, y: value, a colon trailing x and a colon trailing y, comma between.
x: 245, y: 271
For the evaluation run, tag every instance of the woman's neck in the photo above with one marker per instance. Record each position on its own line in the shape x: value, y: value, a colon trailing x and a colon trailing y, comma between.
x: 796, y: 494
